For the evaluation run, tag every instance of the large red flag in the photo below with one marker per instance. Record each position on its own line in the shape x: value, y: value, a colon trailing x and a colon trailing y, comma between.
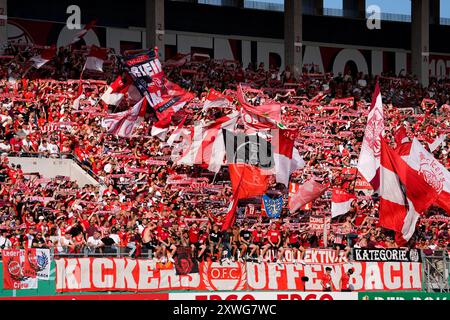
x: 434, y: 173
x: 404, y: 194
x: 247, y: 181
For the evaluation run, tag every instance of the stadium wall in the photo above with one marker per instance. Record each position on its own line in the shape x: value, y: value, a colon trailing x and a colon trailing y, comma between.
x: 254, y: 36
x: 50, y: 168
x: 324, y: 56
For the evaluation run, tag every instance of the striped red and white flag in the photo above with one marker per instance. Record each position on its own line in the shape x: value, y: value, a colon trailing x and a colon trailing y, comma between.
x: 45, y: 56
x: 405, y: 194
x: 96, y: 58
x: 123, y: 124
x: 341, y: 202
x: 177, y: 133
x: 207, y: 143
x: 118, y: 90
x: 369, y: 158
x: 215, y: 99
x: 287, y: 158
x: 437, y: 142
x: 80, y: 35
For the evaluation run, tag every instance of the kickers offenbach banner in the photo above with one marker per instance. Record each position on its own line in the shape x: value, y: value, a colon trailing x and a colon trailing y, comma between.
x: 17, y: 271
x: 387, y: 255
x: 123, y: 274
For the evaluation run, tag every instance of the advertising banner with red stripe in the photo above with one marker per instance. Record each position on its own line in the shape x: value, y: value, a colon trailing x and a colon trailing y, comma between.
x: 256, y: 296
x: 123, y: 274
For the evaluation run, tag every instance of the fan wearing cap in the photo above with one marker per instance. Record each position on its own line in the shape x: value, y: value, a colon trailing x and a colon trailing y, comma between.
x: 345, y: 281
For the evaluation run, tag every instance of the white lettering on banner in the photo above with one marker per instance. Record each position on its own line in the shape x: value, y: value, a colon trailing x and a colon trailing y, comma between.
x: 60, y: 273
x: 373, y: 277
x: 168, y: 280
x: 292, y: 274
x: 317, y: 256
x: 410, y: 271
x: 357, y: 279
x: 124, y: 273
x: 256, y: 276
x: 394, y: 281
x: 146, y: 279
x: 190, y: 281
x: 274, y: 274
x: 69, y: 274
x: 147, y: 69
x: 99, y: 278
x: 313, y: 273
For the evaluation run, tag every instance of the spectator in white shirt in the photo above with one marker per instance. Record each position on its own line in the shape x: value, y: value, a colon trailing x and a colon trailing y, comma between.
x: 5, y: 243
x: 4, y: 147
x: 65, y: 243
x: 95, y: 243
x: 43, y: 149
x: 53, y: 149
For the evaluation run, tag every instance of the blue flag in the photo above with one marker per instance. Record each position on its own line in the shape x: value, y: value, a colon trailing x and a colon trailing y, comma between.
x: 272, y: 207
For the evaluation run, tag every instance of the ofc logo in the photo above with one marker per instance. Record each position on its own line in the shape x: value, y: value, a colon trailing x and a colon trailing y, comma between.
x: 216, y: 277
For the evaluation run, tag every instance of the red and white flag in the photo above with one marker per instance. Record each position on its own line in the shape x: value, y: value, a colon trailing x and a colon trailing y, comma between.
x: 171, y: 100
x: 96, y: 58
x: 403, y: 142
x: 287, y: 158
x: 119, y: 90
x: 215, y: 99
x: 177, y: 133
x: 369, y: 158
x: 207, y: 143
x: 404, y: 194
x: 434, y: 173
x: 341, y: 202
x: 160, y: 129
x: 306, y: 193
x: 80, y: 35
x: 437, y: 143
x: 247, y: 181
x: 260, y: 117
x: 178, y: 61
x: 124, y: 123
x: 45, y: 56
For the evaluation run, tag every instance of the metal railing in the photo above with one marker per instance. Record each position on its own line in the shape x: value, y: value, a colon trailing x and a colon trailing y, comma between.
x: 436, y: 271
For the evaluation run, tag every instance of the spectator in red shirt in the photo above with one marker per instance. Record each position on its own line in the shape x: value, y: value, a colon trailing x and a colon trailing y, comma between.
x: 274, y: 243
x: 326, y: 280
x: 345, y: 281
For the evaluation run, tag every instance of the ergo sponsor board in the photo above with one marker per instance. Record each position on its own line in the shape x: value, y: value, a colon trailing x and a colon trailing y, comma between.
x: 255, y: 296
x: 123, y: 274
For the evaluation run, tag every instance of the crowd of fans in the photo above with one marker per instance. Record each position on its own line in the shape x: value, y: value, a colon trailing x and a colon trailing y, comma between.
x: 135, y: 211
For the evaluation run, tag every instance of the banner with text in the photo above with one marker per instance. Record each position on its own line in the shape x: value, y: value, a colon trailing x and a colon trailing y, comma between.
x: 17, y: 271
x: 124, y: 274
x: 387, y: 255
